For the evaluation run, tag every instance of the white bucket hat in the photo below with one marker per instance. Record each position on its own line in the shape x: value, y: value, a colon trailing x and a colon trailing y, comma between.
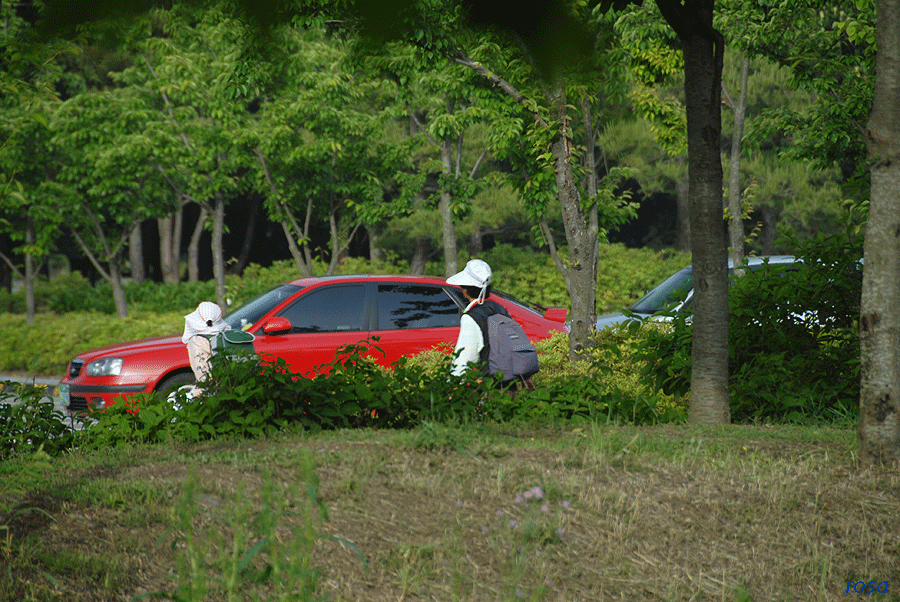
x: 206, y: 320
x: 477, y: 273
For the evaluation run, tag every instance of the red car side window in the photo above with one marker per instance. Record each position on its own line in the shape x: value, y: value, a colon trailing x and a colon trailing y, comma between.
x: 328, y: 309
x: 403, y: 306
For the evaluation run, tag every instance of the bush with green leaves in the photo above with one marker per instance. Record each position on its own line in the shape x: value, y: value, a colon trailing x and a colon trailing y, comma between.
x: 793, y: 339
x: 29, y: 422
x: 246, y: 397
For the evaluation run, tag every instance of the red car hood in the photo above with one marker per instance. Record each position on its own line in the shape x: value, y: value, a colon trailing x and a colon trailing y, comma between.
x: 129, y: 348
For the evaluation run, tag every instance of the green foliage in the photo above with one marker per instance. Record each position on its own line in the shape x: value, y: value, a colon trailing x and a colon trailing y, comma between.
x: 794, y: 344
x: 29, y: 423
x: 623, y: 274
x: 245, y: 397
x: 47, y: 346
x: 256, y: 554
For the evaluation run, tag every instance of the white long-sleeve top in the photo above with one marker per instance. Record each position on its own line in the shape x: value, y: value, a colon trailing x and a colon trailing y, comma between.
x: 468, y: 345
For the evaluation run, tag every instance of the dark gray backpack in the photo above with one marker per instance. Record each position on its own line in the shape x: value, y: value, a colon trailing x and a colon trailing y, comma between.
x: 509, y: 352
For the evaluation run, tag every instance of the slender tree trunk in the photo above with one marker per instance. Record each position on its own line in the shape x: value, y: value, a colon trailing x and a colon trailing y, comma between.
x: 374, y: 248
x: 169, y: 247
x: 193, y: 255
x: 476, y: 241
x: 136, y: 254
x: 581, y: 273
x: 703, y: 49
x: 249, y: 234
x: 30, y: 273
x: 769, y: 229
x: 879, y: 324
x: 419, y: 258
x: 115, y: 273
x: 296, y: 254
x: 448, y: 229
x: 218, y: 251
x: 682, y: 215
x: 735, y: 221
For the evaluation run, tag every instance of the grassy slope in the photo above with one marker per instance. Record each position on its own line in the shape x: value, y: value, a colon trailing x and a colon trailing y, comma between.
x: 663, y: 513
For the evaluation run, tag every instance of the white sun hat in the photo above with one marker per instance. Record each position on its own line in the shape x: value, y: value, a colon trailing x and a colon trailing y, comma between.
x: 477, y: 273
x: 206, y: 320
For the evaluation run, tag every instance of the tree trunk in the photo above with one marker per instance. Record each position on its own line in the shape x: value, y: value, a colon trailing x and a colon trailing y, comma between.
x: 238, y: 266
x: 735, y: 211
x: 419, y: 258
x: 476, y: 242
x: 136, y: 254
x: 193, y: 256
x: 581, y: 273
x: 703, y: 50
x: 115, y: 279
x: 218, y: 252
x: 448, y: 229
x: 879, y: 324
x: 374, y: 239
x: 682, y: 216
x: 169, y: 228
x: 769, y: 229
x: 30, y: 272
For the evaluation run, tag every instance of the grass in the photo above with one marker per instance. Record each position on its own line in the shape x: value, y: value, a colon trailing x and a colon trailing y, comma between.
x: 459, y: 512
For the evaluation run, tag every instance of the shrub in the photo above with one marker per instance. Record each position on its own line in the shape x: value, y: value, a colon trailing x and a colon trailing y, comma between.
x: 29, y: 422
x: 793, y: 339
x: 253, y: 398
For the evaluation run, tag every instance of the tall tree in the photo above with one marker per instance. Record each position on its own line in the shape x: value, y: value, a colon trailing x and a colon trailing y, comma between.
x: 703, y: 48
x: 321, y: 145
x: 100, y: 187
x: 29, y: 69
x: 879, y: 324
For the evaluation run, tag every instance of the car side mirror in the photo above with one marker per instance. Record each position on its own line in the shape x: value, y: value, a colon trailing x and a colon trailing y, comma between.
x: 276, y: 326
x: 556, y: 314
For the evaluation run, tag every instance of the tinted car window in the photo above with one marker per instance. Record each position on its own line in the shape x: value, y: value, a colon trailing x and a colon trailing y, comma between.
x: 673, y: 290
x: 257, y: 307
x: 329, y: 309
x: 403, y: 306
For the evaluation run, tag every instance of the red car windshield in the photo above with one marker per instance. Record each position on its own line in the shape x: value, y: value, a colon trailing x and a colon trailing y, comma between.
x: 251, y: 311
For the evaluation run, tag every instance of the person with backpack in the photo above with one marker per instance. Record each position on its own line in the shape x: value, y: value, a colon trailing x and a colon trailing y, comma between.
x: 488, y: 336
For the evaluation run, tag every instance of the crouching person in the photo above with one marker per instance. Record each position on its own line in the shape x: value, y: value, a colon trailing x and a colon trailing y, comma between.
x: 200, y: 328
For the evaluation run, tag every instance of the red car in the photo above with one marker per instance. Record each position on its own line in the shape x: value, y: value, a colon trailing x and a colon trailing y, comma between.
x: 303, y: 322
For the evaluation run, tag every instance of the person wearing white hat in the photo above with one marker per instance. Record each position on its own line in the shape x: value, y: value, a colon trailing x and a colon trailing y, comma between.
x: 472, y: 345
x: 200, y: 326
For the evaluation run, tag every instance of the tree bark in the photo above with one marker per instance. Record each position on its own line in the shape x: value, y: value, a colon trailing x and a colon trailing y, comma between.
x: 735, y: 210
x: 703, y: 49
x: 419, y: 258
x: 769, y: 229
x: 682, y: 216
x: 169, y: 228
x: 218, y: 251
x: 194, y: 247
x: 879, y: 324
x: 136, y: 254
x: 249, y: 233
x: 30, y: 273
x: 448, y: 229
x: 581, y: 273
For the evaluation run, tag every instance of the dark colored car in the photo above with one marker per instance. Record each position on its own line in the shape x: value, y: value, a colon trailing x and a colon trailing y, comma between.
x: 676, y: 292
x: 303, y: 322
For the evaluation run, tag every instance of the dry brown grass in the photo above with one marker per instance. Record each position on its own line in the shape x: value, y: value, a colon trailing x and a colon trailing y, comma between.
x: 663, y: 513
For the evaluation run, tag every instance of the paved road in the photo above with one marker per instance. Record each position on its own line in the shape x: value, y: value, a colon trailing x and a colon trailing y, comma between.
x: 52, y: 391
x: 50, y: 383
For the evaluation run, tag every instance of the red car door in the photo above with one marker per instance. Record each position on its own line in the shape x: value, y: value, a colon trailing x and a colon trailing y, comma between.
x: 413, y: 317
x: 322, y: 320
